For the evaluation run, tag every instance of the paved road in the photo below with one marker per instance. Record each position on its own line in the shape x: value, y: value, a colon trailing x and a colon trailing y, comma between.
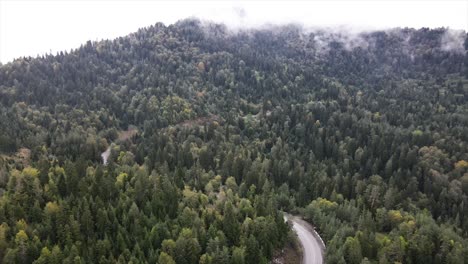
x: 105, y: 155
x: 311, y: 242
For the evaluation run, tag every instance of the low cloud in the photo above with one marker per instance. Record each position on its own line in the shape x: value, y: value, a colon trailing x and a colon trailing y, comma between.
x: 453, y: 41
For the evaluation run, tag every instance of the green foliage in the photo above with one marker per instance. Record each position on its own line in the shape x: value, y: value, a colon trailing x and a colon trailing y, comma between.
x: 210, y: 133
x: 164, y: 258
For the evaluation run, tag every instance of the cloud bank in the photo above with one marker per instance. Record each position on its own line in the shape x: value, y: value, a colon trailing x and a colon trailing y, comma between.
x: 30, y: 28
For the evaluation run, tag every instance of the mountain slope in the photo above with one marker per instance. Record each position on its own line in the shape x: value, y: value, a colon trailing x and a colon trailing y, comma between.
x: 365, y: 134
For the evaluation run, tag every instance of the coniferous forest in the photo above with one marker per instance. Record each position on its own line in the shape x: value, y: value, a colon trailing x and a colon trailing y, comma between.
x: 212, y: 133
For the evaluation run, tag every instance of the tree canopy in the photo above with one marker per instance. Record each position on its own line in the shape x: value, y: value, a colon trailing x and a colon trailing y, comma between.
x: 212, y: 134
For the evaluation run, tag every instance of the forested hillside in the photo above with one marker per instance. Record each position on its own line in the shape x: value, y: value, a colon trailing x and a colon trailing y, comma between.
x: 214, y: 132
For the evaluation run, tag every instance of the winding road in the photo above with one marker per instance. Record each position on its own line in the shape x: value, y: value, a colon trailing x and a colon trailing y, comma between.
x: 312, y: 244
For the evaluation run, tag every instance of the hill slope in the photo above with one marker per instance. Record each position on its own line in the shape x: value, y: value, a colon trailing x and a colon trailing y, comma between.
x: 365, y: 134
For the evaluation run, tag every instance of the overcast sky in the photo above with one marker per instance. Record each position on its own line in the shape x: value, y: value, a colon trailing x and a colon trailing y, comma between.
x: 29, y: 28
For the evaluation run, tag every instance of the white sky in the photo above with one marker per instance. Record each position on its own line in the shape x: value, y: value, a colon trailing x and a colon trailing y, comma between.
x: 29, y: 28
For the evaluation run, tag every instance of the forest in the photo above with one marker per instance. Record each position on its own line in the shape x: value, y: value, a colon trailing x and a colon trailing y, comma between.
x: 213, y: 133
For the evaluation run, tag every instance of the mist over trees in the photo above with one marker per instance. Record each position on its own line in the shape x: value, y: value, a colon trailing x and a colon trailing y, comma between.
x: 363, y: 134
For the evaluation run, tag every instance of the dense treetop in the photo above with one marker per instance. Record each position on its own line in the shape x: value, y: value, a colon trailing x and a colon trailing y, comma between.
x: 213, y: 132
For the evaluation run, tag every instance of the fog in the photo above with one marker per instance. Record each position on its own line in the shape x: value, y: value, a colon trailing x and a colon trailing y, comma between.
x: 31, y: 28
x: 453, y: 40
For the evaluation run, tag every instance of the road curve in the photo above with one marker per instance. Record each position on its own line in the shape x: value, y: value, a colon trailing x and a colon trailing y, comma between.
x: 312, y: 244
